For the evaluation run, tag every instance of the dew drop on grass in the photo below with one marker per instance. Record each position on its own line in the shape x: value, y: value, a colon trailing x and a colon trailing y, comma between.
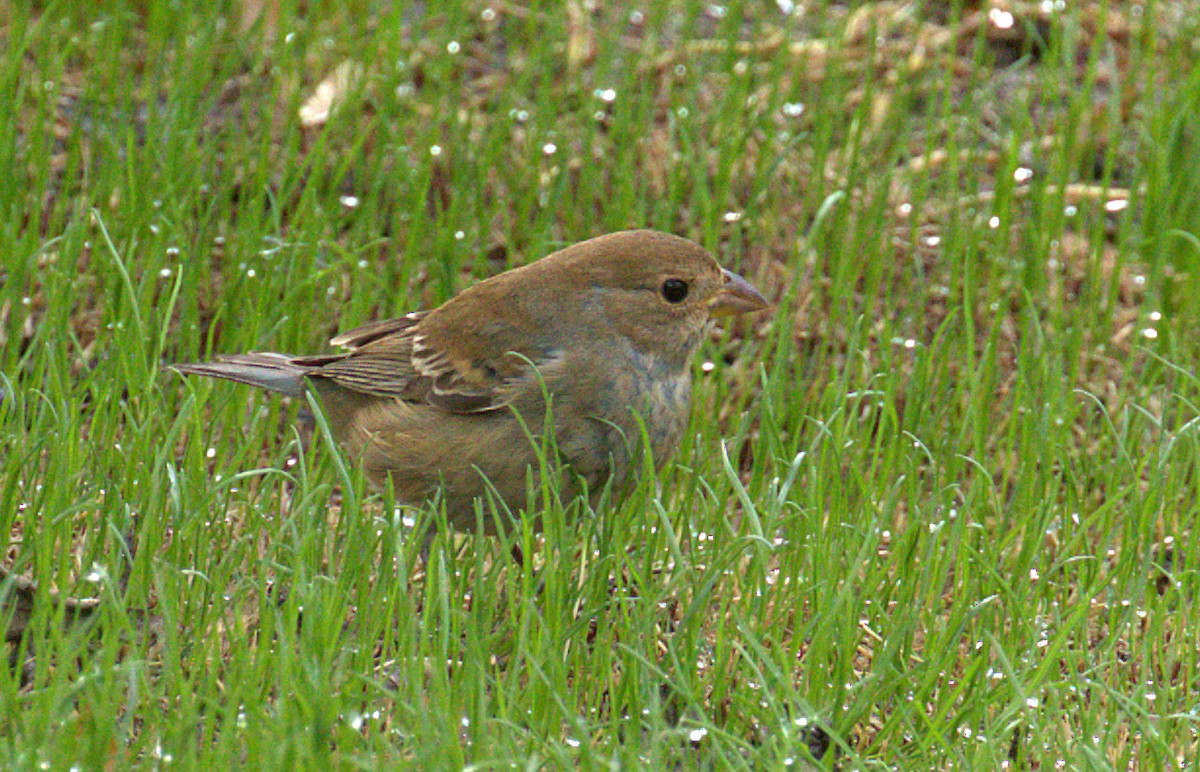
x: 435, y: 150
x: 993, y: 222
x: 636, y: 17
x: 1000, y: 19
x: 1150, y: 333
x: 549, y: 148
x: 488, y: 14
x: 793, y: 109
x: 210, y: 453
x: 350, y: 202
x: 1116, y: 205
x: 453, y: 47
x: 696, y: 735
x: 1021, y: 174
x: 459, y: 235
x: 165, y: 273
x: 608, y: 95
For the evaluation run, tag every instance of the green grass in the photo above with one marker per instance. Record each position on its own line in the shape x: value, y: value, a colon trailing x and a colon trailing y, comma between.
x: 941, y: 503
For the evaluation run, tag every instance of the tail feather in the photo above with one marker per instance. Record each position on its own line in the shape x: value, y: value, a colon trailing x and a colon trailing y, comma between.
x: 264, y: 369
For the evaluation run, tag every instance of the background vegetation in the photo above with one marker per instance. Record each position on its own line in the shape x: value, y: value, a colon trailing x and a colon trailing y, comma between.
x: 937, y: 510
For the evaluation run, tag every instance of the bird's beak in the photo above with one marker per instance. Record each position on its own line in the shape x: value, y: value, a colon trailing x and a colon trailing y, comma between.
x: 737, y: 296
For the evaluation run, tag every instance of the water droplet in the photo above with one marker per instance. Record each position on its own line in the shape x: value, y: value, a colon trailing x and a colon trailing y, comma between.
x: 1116, y: 205
x: 1149, y: 333
x: 1021, y: 174
x: 549, y: 148
x: 435, y: 151
x: 488, y: 14
x: 350, y: 202
x: 1000, y: 18
x: 605, y: 94
x: 993, y: 222
x: 453, y: 47
x: 793, y: 109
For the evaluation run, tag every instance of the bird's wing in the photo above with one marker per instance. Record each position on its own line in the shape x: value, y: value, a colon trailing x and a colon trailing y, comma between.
x: 467, y: 371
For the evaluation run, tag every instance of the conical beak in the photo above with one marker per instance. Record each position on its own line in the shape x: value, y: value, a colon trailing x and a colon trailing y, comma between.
x: 737, y: 296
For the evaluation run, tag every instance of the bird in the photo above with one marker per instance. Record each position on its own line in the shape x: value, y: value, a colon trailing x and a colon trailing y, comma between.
x: 569, y: 367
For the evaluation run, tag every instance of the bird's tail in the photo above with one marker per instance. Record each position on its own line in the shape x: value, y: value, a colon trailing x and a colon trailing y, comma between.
x: 264, y: 369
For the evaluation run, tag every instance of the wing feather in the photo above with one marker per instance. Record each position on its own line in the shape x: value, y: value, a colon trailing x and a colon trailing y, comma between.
x: 392, y: 358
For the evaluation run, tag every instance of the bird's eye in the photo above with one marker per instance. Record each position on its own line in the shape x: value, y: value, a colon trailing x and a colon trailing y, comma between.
x: 674, y: 290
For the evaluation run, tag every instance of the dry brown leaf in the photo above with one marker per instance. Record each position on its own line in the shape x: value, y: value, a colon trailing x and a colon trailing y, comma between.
x: 317, y: 108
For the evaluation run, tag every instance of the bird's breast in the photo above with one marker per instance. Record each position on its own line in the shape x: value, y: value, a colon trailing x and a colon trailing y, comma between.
x: 629, y: 393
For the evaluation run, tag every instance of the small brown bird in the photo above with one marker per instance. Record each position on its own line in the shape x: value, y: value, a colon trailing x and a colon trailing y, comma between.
x: 453, y: 401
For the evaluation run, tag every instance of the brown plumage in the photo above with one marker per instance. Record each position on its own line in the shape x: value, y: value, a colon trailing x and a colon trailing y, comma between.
x: 453, y: 401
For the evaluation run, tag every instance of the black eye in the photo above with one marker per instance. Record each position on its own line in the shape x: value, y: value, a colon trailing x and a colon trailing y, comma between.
x: 674, y: 290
